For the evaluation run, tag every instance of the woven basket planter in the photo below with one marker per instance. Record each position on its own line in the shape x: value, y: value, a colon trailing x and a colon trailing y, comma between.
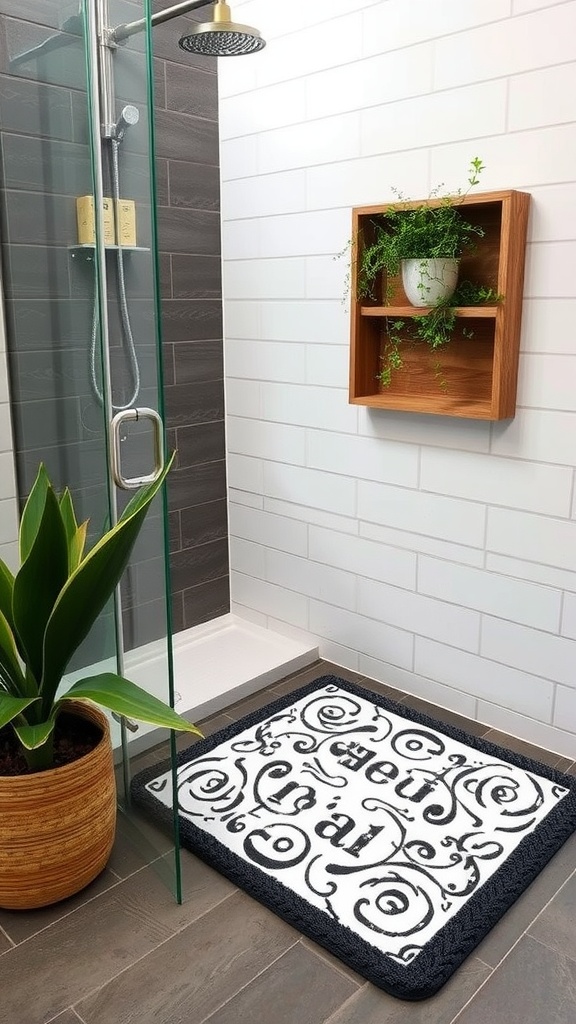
x: 57, y: 827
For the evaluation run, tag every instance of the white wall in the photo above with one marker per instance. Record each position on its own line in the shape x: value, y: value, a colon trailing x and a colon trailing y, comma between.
x: 435, y: 554
x: 8, y: 503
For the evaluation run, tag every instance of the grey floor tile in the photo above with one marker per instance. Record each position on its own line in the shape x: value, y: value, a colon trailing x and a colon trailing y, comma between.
x: 5, y: 943
x: 61, y: 964
x: 249, y: 704
x: 372, y: 1006
x: 211, y: 725
x: 21, y: 924
x: 384, y: 690
x: 138, y: 843
x: 307, y: 675
x: 521, y: 915
x: 555, y: 926
x: 192, y: 974
x: 564, y: 764
x: 68, y: 1017
x: 533, y: 985
x: 332, y: 961
x: 445, y: 716
x: 299, y: 988
x: 528, y: 749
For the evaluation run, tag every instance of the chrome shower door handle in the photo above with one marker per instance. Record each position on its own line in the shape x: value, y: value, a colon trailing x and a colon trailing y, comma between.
x: 132, y: 483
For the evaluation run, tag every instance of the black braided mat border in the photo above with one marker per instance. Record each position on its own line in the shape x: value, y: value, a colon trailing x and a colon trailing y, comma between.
x: 453, y: 943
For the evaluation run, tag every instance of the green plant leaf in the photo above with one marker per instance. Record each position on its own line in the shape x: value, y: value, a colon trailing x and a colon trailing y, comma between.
x: 32, y: 514
x: 68, y: 514
x: 76, y: 548
x: 75, y: 535
x: 39, y: 582
x: 126, y: 698
x: 6, y: 590
x: 89, y: 588
x: 11, y: 707
x: 145, y: 494
x: 33, y: 736
x: 9, y: 664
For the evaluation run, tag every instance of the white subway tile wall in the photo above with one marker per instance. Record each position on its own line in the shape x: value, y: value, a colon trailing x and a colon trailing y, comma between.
x: 435, y: 554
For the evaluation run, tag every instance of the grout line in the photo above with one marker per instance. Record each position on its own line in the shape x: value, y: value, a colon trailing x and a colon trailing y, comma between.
x: 545, y: 907
x: 6, y: 936
x: 480, y: 961
x: 330, y: 959
x: 453, y: 1020
x: 67, y: 1009
x: 91, y: 899
x: 551, y: 949
x: 513, y: 947
x: 259, y: 974
x: 113, y: 977
x: 338, y: 1011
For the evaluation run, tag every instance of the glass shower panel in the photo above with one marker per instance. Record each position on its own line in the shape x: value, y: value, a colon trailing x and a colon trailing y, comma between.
x: 128, y: 383
x: 73, y: 310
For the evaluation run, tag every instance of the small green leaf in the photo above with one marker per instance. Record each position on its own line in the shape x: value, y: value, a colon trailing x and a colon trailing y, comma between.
x: 33, y: 511
x: 68, y: 514
x: 76, y: 548
x: 9, y: 664
x: 33, y: 736
x: 6, y: 591
x: 126, y: 698
x: 75, y: 535
x: 11, y: 707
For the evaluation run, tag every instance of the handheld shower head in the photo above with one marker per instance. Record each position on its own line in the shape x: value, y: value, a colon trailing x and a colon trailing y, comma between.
x: 129, y: 116
x: 222, y: 37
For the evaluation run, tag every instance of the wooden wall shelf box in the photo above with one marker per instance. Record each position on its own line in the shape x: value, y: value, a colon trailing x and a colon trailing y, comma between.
x: 478, y: 374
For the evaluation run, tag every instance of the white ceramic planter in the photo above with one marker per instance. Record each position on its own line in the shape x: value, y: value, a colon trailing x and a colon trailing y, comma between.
x: 427, y: 282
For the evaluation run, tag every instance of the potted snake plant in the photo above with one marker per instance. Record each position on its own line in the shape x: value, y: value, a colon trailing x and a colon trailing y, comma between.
x: 57, y: 789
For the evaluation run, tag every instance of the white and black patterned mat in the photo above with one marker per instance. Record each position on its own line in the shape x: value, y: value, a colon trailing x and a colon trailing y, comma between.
x: 391, y: 839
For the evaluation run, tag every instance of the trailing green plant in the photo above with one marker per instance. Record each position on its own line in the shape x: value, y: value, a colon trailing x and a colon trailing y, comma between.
x: 435, y: 328
x: 424, y: 231
x: 48, y: 608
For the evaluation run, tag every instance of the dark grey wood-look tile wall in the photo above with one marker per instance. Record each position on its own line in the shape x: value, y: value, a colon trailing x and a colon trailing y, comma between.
x: 189, y: 241
x: 44, y: 165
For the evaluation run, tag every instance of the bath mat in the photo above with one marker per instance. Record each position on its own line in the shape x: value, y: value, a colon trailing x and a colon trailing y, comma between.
x: 391, y: 839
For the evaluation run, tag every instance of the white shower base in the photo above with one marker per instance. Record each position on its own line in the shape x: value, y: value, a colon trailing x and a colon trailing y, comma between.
x: 215, y: 665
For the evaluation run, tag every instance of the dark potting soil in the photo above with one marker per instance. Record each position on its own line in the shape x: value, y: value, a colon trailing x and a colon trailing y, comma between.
x: 73, y: 738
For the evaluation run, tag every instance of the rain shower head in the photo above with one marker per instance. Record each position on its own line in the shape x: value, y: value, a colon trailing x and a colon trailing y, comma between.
x: 222, y: 37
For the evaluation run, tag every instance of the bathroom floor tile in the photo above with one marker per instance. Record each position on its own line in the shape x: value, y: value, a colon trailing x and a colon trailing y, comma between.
x: 533, y: 985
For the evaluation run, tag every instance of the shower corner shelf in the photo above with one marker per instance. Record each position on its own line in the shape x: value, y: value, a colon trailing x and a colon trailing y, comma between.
x: 480, y: 371
x: 86, y: 249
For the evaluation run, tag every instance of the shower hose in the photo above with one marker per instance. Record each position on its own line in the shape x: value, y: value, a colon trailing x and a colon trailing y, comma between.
x: 124, y: 312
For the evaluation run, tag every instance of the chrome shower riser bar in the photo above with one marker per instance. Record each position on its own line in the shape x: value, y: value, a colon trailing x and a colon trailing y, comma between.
x: 131, y: 28
x: 108, y: 40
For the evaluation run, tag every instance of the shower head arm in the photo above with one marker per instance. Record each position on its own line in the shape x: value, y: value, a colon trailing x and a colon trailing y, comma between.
x: 131, y: 28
